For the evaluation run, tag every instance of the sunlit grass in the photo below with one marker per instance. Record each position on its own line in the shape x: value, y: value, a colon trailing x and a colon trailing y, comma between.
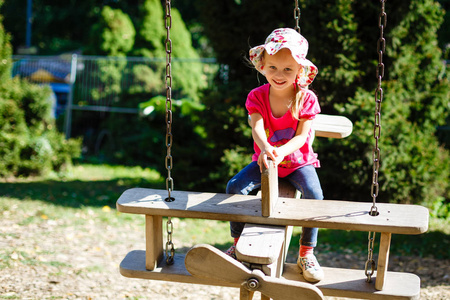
x: 87, y: 172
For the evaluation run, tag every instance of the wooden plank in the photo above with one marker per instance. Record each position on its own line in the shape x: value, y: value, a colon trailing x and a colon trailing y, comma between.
x: 352, y: 284
x: 260, y: 244
x: 333, y: 214
x: 269, y: 188
x: 133, y: 266
x: 332, y: 126
x: 337, y: 282
x: 383, y: 259
x: 153, y: 241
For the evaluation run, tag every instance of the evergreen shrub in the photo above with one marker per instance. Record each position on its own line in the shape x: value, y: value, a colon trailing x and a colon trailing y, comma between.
x: 29, y: 141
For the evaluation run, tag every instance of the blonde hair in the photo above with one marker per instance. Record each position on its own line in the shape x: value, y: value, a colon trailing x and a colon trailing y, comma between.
x: 297, y: 103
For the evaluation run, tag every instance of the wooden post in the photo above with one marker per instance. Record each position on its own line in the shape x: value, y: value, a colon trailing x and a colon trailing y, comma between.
x: 287, y: 241
x: 245, y: 294
x: 269, y: 189
x: 383, y: 260
x: 153, y: 241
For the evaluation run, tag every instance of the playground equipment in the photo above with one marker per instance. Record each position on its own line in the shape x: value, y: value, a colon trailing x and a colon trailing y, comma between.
x: 262, y: 248
x: 268, y: 238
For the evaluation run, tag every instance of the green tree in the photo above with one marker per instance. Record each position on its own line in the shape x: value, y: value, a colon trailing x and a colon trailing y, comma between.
x: 151, y: 30
x: 113, y: 35
x: 151, y: 42
x: 187, y: 73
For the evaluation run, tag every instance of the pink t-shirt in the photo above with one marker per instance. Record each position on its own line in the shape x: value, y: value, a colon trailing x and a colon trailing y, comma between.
x: 280, y: 130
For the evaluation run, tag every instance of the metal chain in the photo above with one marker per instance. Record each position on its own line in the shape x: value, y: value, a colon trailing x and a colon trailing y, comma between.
x: 381, y: 47
x: 297, y: 17
x: 169, y: 162
x: 170, y: 249
x: 370, y: 261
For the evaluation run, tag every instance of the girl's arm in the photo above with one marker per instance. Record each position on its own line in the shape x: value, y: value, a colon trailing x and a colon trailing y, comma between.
x: 303, y: 128
x: 260, y: 138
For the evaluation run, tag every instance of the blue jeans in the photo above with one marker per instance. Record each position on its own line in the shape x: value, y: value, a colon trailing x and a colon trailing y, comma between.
x: 304, y: 179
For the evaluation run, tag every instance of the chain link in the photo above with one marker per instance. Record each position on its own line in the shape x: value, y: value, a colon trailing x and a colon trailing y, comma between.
x: 297, y: 16
x: 370, y: 262
x: 170, y: 249
x: 381, y: 47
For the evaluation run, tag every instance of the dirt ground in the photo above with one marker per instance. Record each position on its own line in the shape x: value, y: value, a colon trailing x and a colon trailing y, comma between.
x: 51, y: 260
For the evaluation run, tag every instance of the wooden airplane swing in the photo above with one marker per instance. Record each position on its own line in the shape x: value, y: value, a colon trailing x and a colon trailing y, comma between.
x: 269, y: 218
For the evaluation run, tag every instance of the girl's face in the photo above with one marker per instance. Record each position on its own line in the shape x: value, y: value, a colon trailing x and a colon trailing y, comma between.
x: 281, y: 69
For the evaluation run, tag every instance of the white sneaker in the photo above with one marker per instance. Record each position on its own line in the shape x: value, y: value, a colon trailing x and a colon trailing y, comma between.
x: 310, y: 268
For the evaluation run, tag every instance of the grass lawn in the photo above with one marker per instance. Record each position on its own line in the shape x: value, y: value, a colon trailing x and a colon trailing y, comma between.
x: 92, y: 190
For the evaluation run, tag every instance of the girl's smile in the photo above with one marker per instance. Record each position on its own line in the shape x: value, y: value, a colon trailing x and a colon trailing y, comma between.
x: 279, y: 83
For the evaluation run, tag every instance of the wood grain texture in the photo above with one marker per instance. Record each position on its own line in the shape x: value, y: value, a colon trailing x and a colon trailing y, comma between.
x: 329, y: 126
x: 333, y: 214
x: 260, y: 244
x: 153, y: 241
x: 269, y: 188
x: 383, y: 260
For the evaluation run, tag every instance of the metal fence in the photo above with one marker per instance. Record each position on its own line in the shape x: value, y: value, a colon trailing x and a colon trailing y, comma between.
x: 98, y: 84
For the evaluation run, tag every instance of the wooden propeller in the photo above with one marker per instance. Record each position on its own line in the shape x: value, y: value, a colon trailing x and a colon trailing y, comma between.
x: 208, y: 262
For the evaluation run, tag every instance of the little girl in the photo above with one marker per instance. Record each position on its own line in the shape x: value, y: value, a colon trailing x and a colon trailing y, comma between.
x: 281, y: 114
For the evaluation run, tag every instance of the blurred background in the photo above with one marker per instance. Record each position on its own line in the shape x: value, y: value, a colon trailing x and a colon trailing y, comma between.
x: 83, y: 81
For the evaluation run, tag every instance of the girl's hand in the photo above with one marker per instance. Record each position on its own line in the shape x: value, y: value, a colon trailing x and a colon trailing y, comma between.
x: 268, y: 153
x: 278, y: 156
